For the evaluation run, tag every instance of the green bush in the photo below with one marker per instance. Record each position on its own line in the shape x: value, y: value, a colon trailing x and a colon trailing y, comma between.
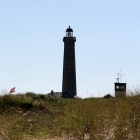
x: 9, y: 101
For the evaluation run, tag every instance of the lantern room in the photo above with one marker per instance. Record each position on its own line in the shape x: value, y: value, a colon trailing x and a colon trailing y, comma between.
x: 69, y: 32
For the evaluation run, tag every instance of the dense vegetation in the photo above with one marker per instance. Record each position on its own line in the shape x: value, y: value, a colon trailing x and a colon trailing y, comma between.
x: 33, y: 116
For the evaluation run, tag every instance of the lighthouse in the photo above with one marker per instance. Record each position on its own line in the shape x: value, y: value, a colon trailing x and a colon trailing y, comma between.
x: 69, y: 65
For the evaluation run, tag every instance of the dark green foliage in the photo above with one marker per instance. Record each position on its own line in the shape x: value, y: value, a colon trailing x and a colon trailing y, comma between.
x: 56, y: 100
x: 35, y: 96
x: 30, y: 94
x: 28, y: 101
x: 107, y: 96
x: 9, y: 101
x: 26, y: 105
x: 47, y: 98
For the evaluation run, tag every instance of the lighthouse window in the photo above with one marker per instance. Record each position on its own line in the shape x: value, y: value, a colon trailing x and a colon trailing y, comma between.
x: 120, y: 87
x: 69, y: 34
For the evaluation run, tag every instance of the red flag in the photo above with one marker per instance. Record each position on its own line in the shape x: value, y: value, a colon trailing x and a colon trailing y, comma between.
x: 12, y: 90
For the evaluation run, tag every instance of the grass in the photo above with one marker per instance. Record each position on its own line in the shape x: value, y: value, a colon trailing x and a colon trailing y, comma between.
x: 35, y: 116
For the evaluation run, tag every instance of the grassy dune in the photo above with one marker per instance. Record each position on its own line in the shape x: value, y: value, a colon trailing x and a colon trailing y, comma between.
x: 37, y: 117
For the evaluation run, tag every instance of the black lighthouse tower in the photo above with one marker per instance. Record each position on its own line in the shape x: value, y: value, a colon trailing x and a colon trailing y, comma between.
x: 69, y: 66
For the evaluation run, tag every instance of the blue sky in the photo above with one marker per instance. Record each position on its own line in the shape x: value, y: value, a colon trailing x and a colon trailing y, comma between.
x: 31, y: 46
